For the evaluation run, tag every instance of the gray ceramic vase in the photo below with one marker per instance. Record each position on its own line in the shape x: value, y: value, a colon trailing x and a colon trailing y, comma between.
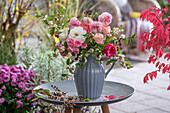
x: 90, y: 79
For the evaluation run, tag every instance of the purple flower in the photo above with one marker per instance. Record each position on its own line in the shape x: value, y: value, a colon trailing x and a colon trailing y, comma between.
x: 0, y: 92
x: 13, y: 69
x: 6, y: 77
x: 2, y: 100
x: 18, y: 95
x: 13, y: 83
x: 21, y: 85
x: 29, y: 96
x: 1, y: 81
x: 4, y: 88
x: 19, y: 103
x: 34, y: 103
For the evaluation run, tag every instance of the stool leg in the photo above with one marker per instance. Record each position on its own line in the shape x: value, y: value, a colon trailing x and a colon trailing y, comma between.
x: 105, y: 108
x: 77, y: 110
x: 67, y: 110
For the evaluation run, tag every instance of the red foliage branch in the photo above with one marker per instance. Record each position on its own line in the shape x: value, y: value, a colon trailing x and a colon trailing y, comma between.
x: 158, y: 38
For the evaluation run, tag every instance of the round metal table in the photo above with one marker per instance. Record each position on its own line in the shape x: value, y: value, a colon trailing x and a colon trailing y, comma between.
x: 110, y: 88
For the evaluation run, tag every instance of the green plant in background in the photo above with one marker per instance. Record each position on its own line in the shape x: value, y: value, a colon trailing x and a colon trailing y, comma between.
x: 12, y: 13
x: 44, y: 63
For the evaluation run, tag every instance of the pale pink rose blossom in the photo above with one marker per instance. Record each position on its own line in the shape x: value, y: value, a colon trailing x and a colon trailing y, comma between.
x: 74, y: 22
x: 83, y: 45
x: 87, y: 20
x: 77, y: 43
x: 18, y: 95
x: 76, y: 50
x: 70, y: 49
x: 19, y: 103
x: 96, y: 27
x: 70, y: 42
x: 106, y: 30
x: 105, y: 18
x: 85, y: 27
x: 99, y: 38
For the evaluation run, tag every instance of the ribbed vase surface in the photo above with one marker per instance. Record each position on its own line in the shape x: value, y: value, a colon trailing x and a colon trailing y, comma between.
x: 90, y: 79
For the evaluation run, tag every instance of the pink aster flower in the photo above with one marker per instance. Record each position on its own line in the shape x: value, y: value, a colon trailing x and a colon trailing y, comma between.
x: 70, y: 49
x: 18, y: 95
x: 6, y: 77
x: 4, y: 88
x: 19, y: 103
x: 70, y: 42
x: 2, y: 100
x: 29, y: 96
x: 13, y: 83
x: 76, y: 50
x: 1, y: 81
x: 77, y: 43
x: 21, y: 85
x: 83, y: 45
x: 99, y: 38
x: 96, y: 27
x: 105, y: 18
x: 34, y: 103
x: 110, y: 50
x: 0, y: 92
x: 74, y: 22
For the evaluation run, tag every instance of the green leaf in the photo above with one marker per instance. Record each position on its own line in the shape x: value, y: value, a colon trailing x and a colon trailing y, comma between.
x: 126, y: 41
x: 94, y: 55
x: 119, y: 51
x: 108, y: 62
x: 107, y: 40
x: 130, y: 41
x: 88, y: 100
x: 78, y: 65
x: 114, y: 60
x: 66, y: 52
x: 133, y: 35
x: 52, y: 31
x: 51, y: 17
x: 68, y: 61
x: 46, y: 22
x: 97, y: 61
x: 64, y: 75
x: 65, y: 44
x: 121, y: 27
x: 83, y: 65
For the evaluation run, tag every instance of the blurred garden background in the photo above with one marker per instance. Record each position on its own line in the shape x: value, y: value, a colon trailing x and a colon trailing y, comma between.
x: 27, y: 38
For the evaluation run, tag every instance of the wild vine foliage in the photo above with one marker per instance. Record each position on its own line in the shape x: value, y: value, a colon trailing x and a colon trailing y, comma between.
x: 158, y: 39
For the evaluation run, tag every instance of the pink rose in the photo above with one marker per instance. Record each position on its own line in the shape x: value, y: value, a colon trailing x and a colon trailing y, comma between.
x: 61, y: 50
x: 70, y: 42
x: 70, y: 49
x: 77, y: 43
x: 83, y: 45
x: 105, y: 18
x: 74, y: 22
x: 85, y: 27
x: 96, y: 27
x: 110, y: 50
x: 76, y: 50
x: 87, y: 20
x: 99, y: 38
x: 13, y: 83
x: 106, y: 30
x: 4, y: 88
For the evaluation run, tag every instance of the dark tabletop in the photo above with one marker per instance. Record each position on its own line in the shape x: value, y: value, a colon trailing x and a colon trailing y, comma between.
x: 110, y: 88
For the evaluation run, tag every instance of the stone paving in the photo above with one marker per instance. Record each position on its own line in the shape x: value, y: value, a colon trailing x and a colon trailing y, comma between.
x: 148, y: 98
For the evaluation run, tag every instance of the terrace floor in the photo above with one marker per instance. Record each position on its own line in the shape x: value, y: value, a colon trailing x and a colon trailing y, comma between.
x: 148, y: 98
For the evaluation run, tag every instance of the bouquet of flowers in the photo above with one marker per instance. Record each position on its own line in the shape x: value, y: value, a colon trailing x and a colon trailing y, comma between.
x: 92, y: 36
x: 15, y: 89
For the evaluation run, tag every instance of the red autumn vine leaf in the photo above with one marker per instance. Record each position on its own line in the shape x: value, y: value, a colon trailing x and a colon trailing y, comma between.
x: 168, y: 87
x: 142, y: 47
